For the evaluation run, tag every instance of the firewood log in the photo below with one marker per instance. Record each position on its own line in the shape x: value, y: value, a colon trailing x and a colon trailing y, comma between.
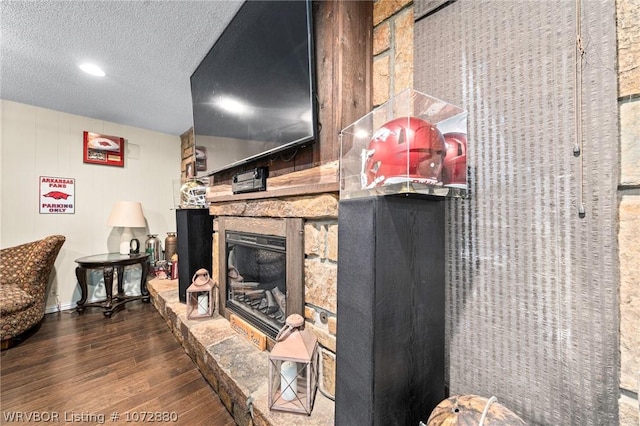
x: 280, y: 298
x: 254, y: 294
x: 272, y: 305
x: 244, y: 286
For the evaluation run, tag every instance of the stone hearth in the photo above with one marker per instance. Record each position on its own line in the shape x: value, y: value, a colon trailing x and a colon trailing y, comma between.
x: 234, y: 368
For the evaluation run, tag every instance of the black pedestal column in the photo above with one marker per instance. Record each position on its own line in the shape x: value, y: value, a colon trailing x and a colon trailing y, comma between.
x: 195, y: 234
x: 390, y: 337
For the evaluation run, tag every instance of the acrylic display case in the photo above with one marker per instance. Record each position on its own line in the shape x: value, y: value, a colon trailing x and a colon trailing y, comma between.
x: 412, y: 144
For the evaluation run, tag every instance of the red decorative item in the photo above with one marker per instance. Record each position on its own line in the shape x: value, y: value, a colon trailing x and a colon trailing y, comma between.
x: 103, y: 149
x: 455, y: 161
x: 174, y: 270
x: 405, y: 148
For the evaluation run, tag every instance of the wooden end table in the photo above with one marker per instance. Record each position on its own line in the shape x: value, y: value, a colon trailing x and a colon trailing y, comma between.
x: 108, y: 262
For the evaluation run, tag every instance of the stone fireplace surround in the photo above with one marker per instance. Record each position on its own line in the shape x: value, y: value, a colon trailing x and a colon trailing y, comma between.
x: 235, y: 368
x: 318, y: 217
x: 288, y: 228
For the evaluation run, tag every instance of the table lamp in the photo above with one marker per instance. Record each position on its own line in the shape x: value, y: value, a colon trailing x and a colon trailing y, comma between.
x: 126, y: 214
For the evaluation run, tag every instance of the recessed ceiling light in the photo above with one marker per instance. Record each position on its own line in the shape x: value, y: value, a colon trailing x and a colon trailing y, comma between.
x: 92, y: 69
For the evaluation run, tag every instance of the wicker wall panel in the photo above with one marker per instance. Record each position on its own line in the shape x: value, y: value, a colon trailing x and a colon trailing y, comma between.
x: 532, y: 289
x: 423, y: 7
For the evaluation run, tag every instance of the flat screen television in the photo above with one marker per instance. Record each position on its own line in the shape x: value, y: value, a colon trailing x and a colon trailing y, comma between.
x: 253, y: 94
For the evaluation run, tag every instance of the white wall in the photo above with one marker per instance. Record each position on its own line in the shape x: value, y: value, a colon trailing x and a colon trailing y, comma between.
x: 40, y: 142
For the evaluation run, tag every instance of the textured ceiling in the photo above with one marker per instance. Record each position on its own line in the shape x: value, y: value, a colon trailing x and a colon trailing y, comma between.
x: 148, y: 49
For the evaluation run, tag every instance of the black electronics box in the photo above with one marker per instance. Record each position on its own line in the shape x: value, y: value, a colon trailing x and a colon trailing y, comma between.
x: 250, y: 181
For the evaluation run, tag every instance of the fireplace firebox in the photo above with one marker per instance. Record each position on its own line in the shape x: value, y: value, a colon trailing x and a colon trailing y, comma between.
x: 260, y: 264
x: 256, y: 279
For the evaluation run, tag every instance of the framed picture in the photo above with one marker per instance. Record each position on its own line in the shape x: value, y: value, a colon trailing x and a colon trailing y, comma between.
x: 103, y: 149
x: 189, y: 172
x: 201, y: 158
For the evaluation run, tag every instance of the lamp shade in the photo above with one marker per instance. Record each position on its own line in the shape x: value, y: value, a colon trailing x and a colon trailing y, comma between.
x: 127, y: 214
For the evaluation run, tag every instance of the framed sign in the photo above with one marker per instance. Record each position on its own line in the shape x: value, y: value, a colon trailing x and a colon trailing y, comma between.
x: 103, y: 149
x: 57, y: 195
x: 201, y: 158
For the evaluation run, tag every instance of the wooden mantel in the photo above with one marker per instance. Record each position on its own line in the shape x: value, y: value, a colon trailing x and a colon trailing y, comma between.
x: 316, y: 180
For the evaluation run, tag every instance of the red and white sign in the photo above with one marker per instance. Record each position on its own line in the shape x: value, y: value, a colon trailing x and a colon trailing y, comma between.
x: 57, y: 195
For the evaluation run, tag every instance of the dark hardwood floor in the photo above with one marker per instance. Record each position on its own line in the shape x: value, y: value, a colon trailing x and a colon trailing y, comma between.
x: 81, y: 369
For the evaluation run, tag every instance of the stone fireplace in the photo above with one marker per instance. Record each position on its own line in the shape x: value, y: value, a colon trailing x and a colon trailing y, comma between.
x: 227, y: 358
x: 308, y: 226
x: 260, y: 270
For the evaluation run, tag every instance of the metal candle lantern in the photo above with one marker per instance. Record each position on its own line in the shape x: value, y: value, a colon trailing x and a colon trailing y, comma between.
x: 293, y: 368
x: 201, y: 295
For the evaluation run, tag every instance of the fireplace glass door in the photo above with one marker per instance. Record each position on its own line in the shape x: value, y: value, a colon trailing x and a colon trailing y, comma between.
x: 256, y: 279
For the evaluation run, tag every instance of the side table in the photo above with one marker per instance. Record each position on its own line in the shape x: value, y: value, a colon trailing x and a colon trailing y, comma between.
x: 108, y: 262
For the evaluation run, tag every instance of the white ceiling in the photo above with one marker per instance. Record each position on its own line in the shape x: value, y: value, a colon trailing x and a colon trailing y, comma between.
x: 148, y: 49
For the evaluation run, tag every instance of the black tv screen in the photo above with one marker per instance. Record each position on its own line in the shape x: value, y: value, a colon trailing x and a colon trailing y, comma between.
x: 253, y: 94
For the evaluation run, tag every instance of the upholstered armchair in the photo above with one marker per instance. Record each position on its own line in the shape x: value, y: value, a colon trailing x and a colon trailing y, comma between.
x: 24, y: 278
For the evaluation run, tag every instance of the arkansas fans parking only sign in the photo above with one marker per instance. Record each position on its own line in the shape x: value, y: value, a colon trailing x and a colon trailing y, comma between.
x: 57, y: 195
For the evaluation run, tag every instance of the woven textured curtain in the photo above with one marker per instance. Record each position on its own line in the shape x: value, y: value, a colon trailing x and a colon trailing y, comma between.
x: 532, y: 288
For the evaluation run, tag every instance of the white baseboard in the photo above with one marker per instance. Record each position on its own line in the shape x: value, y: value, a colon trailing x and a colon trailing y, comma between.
x: 66, y: 306
x: 61, y: 307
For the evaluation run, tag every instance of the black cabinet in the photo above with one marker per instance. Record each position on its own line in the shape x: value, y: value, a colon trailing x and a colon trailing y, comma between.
x: 195, y: 233
x: 390, y: 337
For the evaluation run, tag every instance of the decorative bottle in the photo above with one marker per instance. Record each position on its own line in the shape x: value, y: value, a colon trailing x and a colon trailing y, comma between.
x: 153, y: 247
x: 170, y: 245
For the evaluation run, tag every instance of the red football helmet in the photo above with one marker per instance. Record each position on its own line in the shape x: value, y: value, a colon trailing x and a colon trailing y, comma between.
x: 404, y: 148
x: 455, y: 162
